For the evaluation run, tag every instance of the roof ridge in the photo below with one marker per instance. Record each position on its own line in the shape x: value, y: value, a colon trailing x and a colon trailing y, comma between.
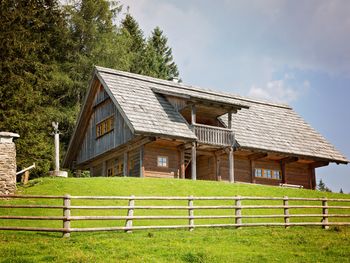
x: 189, y: 87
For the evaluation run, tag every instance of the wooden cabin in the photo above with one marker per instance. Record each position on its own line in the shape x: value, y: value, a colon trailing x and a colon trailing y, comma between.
x: 133, y: 125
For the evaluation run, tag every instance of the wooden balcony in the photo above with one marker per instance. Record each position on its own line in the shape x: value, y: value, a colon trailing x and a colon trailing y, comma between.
x: 213, y: 135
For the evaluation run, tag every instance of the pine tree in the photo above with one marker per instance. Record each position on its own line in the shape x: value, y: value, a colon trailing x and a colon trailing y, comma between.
x: 322, y: 187
x: 32, y: 43
x: 163, y: 63
x: 341, y: 191
x: 136, y: 49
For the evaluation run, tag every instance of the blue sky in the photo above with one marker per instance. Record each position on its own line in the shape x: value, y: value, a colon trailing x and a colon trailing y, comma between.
x: 295, y: 52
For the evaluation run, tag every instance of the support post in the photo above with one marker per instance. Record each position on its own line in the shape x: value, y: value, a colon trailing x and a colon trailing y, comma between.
x: 283, y: 170
x: 229, y: 123
x: 142, y: 168
x: 182, y: 163
x: 104, y: 168
x: 252, y: 172
x: 217, y: 167
x: 194, y: 162
x: 231, y: 166
x: 190, y: 213
x: 325, y: 213
x: 66, y: 214
x: 286, y: 211
x: 26, y: 177
x: 125, y: 164
x: 238, y: 211
x: 128, y: 223
x: 193, y: 114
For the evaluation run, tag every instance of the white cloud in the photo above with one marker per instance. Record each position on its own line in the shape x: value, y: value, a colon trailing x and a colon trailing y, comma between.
x: 274, y: 91
x: 280, y: 90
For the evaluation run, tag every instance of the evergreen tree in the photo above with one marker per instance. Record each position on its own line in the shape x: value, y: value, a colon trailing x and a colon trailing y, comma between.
x: 341, y: 191
x: 32, y: 41
x: 136, y: 49
x: 322, y: 187
x: 163, y: 62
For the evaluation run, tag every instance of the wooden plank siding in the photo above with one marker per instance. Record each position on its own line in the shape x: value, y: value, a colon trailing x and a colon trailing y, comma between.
x: 91, y: 146
x: 151, y: 153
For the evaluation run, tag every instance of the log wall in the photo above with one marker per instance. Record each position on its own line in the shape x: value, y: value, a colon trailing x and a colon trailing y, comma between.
x: 151, y: 153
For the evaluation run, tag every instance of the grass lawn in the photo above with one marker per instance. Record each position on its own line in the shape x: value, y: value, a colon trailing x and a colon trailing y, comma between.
x: 274, y: 244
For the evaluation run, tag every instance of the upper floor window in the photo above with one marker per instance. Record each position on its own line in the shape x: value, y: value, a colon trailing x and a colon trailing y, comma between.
x: 104, y: 126
x: 268, y: 173
x: 162, y: 161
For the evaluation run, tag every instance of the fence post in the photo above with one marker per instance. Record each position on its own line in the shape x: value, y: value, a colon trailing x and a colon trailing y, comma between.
x: 325, y: 213
x: 190, y: 213
x: 66, y: 214
x: 286, y: 211
x: 128, y: 222
x: 238, y: 211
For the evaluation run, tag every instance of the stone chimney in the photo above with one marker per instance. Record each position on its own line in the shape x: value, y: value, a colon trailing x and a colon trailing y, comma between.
x: 7, y: 163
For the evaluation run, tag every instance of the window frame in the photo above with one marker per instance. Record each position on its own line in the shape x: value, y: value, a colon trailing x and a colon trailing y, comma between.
x: 162, y: 157
x: 104, y: 126
x: 267, y: 173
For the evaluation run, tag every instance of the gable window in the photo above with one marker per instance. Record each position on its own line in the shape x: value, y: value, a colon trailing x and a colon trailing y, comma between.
x: 162, y: 161
x: 268, y: 173
x: 104, y: 126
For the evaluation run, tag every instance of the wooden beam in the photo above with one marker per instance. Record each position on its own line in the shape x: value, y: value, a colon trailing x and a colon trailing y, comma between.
x: 194, y: 162
x: 256, y: 156
x: 312, y: 178
x: 104, y: 168
x: 182, y: 164
x: 318, y: 164
x: 231, y: 166
x: 142, y: 167
x: 252, y: 172
x: 289, y: 159
x: 283, y: 171
x: 125, y: 164
x: 229, y: 123
x: 193, y: 114
x: 207, y: 153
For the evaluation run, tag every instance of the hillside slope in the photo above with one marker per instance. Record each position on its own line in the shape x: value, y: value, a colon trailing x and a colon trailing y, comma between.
x: 160, y: 187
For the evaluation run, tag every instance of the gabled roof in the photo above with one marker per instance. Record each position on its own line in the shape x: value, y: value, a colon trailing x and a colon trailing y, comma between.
x: 259, y: 125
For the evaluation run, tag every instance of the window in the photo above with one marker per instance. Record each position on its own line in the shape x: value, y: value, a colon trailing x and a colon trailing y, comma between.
x: 258, y: 172
x: 268, y: 173
x: 162, y: 161
x: 104, y: 126
x: 276, y: 174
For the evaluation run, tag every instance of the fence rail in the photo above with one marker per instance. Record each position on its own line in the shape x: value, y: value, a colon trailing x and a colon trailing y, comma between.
x: 323, y: 206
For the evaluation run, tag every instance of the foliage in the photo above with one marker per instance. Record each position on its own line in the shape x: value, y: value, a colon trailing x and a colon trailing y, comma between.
x: 47, y: 55
x: 33, y: 35
x: 322, y: 187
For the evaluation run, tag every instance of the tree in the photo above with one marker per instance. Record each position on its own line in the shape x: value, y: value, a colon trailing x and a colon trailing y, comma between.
x: 33, y: 37
x: 162, y: 62
x: 322, y: 187
x: 341, y: 191
x: 137, y: 44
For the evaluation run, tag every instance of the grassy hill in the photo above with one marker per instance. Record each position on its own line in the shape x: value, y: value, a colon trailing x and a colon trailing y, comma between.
x: 274, y: 244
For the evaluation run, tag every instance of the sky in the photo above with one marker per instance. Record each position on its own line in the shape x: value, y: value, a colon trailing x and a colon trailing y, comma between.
x: 294, y: 52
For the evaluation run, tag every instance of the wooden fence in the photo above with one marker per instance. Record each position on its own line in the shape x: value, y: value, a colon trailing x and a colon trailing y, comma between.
x: 235, y: 212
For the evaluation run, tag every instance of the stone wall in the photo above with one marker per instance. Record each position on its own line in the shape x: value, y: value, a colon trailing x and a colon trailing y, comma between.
x: 7, y: 167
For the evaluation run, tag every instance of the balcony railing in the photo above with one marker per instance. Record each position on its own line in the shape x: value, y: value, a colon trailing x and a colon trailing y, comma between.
x: 213, y: 135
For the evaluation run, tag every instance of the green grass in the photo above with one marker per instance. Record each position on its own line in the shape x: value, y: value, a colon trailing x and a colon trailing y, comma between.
x: 273, y: 244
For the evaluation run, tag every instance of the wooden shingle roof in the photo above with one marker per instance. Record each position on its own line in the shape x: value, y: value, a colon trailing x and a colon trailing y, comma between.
x: 259, y: 125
